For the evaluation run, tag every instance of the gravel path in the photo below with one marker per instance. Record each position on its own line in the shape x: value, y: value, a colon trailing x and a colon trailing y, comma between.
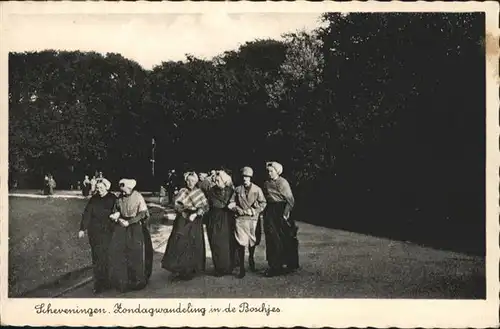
x: 335, y: 264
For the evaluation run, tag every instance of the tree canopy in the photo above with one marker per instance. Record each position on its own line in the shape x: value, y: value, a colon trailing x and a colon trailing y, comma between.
x: 386, y: 108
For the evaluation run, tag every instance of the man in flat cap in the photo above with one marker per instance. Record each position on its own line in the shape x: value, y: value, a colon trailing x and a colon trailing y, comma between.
x: 247, y: 202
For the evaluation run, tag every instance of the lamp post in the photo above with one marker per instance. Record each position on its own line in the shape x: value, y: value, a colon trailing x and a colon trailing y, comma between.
x: 153, y: 143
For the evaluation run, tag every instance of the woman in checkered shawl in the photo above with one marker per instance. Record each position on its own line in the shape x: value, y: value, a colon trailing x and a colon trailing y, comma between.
x: 185, y: 251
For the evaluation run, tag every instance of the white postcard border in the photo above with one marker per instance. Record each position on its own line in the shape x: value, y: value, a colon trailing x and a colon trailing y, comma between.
x: 293, y: 312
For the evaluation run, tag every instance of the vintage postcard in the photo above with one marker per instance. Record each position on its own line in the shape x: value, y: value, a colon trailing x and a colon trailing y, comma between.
x: 277, y: 164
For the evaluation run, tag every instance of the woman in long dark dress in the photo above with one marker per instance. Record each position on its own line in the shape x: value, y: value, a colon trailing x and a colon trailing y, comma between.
x: 95, y: 220
x: 279, y: 228
x: 86, y: 186
x: 185, y: 251
x: 220, y: 224
x: 131, y: 248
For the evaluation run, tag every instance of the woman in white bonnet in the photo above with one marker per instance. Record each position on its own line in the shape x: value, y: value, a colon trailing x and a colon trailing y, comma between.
x: 95, y: 222
x: 220, y: 224
x: 131, y: 249
x: 279, y: 228
x: 185, y: 252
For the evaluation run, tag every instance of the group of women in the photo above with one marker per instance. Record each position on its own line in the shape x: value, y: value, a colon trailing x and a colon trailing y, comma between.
x: 121, y: 245
x: 122, y: 251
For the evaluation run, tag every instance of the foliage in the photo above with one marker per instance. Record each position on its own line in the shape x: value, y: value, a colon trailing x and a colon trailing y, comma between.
x: 366, y: 106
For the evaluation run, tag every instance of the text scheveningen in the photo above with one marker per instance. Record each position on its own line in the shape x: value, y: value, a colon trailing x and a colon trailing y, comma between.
x: 188, y: 308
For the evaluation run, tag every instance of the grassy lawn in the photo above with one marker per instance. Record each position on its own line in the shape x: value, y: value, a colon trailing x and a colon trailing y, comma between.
x: 43, y: 241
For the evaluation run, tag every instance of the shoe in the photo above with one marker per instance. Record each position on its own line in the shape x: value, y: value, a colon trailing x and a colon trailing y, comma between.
x: 97, y: 291
x: 251, y: 264
x: 138, y: 286
x: 186, y: 277
x: 241, y: 273
x: 272, y: 273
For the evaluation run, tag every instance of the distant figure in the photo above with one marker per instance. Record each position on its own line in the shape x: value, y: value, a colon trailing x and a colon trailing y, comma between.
x: 204, y: 184
x: 247, y: 202
x: 99, y: 176
x: 86, y: 187
x: 45, y: 189
x: 163, y: 194
x: 279, y: 227
x: 78, y: 185
x: 50, y: 184
x: 131, y: 248
x: 171, y: 185
x: 93, y: 183
x: 185, y: 252
x: 212, y: 177
x: 96, y: 222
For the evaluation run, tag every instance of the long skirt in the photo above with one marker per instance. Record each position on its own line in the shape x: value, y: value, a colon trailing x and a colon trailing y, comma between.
x: 86, y: 190
x: 185, y: 251
x: 130, y: 257
x: 281, y: 238
x: 220, y: 230
x: 99, y: 246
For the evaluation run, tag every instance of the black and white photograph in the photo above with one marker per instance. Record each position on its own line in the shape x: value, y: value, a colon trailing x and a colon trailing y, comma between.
x: 250, y: 164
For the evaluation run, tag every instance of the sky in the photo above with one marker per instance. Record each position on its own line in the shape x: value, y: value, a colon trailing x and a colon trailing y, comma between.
x: 148, y: 38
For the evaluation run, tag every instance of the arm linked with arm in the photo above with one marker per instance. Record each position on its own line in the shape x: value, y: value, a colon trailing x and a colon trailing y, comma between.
x: 140, y: 216
x: 260, y: 204
x: 142, y: 212
x: 232, y: 202
x: 203, y: 206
